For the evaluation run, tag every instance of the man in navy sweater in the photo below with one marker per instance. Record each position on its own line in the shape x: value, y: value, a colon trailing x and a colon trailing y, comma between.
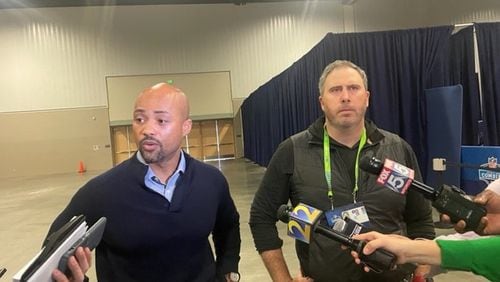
x: 161, y: 206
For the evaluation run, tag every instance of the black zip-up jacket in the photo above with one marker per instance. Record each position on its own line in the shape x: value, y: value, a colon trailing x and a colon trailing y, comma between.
x: 296, y: 173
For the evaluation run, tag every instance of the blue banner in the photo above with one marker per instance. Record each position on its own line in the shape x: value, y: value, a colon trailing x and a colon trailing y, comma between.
x: 475, y: 161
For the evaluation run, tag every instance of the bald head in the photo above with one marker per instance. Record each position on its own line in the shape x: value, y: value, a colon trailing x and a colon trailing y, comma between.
x: 164, y: 94
x: 160, y: 124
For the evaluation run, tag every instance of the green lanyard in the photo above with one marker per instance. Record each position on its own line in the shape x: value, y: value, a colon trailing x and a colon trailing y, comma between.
x: 328, y: 169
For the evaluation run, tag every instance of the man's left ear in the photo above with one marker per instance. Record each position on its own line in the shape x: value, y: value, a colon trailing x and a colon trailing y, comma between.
x: 186, y: 127
x: 367, y: 98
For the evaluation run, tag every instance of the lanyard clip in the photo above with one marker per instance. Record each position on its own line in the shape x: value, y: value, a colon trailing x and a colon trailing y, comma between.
x: 330, y: 196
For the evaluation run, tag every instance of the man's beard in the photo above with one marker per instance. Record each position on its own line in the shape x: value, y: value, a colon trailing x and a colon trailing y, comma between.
x: 152, y: 157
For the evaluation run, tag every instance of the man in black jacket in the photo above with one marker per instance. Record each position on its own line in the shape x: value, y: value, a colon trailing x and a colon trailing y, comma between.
x: 298, y: 171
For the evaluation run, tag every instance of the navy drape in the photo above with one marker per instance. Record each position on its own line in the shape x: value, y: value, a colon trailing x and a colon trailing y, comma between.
x: 488, y: 41
x: 462, y: 71
x: 400, y: 65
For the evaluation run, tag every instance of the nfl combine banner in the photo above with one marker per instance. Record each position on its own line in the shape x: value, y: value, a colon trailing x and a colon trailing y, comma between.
x: 480, y: 166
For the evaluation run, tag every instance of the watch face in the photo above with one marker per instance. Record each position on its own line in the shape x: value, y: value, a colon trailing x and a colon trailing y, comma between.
x: 234, y: 276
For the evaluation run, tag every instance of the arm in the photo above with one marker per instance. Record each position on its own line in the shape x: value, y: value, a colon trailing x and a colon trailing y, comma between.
x: 226, y: 234
x: 405, y: 249
x: 273, y: 192
x: 276, y: 265
x: 479, y: 256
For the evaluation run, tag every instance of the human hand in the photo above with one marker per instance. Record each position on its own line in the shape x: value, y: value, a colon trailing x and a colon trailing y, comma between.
x: 491, y: 202
x: 422, y: 271
x: 490, y: 224
x: 302, y: 278
x: 375, y: 240
x: 405, y: 249
x: 78, y: 264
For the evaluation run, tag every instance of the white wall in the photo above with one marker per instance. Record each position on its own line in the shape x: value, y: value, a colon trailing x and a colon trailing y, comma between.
x: 449, y: 11
x: 376, y: 15
x: 56, y: 58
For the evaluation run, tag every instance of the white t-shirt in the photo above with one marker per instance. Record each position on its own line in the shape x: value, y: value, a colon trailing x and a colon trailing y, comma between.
x: 494, y: 186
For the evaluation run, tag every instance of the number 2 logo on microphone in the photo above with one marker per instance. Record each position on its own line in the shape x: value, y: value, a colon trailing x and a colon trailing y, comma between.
x: 302, y: 218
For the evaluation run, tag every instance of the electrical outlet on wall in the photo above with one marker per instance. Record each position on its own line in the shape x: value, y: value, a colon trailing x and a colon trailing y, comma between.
x: 95, y: 147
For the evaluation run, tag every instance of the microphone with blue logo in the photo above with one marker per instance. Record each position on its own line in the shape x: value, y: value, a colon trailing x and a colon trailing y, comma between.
x: 304, y: 220
x: 445, y: 199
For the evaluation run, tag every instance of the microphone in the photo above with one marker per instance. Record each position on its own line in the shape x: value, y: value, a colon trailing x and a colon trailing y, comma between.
x: 303, y: 220
x: 445, y: 199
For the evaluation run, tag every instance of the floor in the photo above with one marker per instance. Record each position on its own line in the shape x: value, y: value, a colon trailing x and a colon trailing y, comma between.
x: 29, y: 204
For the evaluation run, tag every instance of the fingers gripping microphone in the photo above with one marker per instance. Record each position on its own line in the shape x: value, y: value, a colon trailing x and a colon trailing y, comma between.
x: 446, y: 200
x: 304, y: 220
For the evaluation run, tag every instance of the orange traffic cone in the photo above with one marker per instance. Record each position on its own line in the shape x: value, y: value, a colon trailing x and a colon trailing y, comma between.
x: 81, y: 167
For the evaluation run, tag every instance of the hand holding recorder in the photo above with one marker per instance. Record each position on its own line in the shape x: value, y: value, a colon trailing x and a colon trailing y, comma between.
x: 445, y: 199
x: 490, y: 224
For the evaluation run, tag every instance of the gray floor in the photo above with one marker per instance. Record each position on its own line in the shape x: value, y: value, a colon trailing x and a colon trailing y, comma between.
x: 29, y: 204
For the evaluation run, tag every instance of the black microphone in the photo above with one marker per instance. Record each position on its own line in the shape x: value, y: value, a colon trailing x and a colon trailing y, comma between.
x: 303, y: 220
x: 445, y: 199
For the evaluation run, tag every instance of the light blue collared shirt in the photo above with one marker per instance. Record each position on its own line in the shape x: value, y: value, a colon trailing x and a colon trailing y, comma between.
x: 154, y: 183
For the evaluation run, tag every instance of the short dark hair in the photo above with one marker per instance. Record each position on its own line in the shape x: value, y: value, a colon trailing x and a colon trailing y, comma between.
x: 340, y: 64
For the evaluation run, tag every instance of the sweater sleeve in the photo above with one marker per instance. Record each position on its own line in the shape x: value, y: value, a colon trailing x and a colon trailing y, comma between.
x: 226, y: 234
x: 477, y: 255
x: 272, y: 193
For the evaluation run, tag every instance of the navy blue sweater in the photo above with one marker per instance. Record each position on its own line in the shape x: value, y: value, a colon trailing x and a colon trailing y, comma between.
x: 149, y: 239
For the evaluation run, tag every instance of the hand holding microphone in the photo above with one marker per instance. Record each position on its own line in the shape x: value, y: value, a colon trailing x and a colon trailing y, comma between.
x: 303, y: 220
x: 445, y: 199
x: 407, y: 251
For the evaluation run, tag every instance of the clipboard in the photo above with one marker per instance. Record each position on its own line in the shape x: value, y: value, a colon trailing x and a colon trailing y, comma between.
x: 39, y: 269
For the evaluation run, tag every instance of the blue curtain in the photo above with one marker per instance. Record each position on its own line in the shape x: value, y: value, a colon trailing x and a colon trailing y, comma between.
x: 400, y: 65
x: 462, y: 71
x: 488, y: 41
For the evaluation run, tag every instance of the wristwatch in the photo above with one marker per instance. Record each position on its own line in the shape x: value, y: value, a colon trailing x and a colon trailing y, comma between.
x: 234, y: 276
